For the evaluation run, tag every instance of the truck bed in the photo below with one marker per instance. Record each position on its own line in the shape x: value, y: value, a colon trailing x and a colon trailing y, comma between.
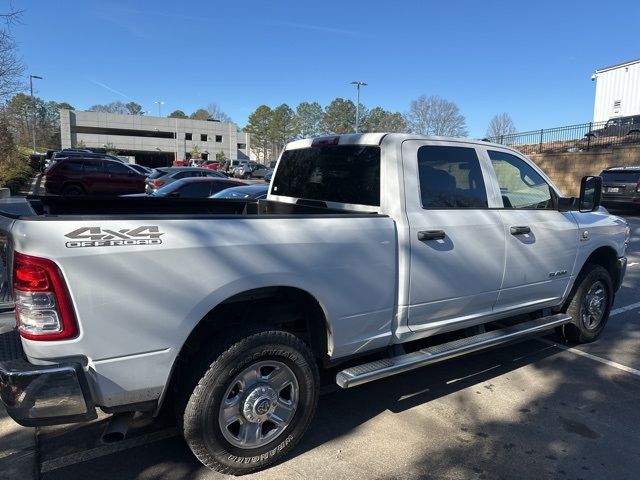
x: 109, y: 206
x: 143, y: 272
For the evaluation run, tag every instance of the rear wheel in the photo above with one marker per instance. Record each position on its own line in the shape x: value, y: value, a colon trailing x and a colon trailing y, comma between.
x: 73, y: 191
x: 253, y: 403
x: 589, y: 305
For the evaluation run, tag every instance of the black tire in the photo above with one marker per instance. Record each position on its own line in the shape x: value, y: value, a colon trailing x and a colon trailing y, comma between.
x: 246, y: 176
x: 202, y: 413
x: 584, y: 328
x: 73, y: 191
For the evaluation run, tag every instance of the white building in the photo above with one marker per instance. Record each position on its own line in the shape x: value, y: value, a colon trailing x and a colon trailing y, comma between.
x: 617, y: 91
x: 153, y: 141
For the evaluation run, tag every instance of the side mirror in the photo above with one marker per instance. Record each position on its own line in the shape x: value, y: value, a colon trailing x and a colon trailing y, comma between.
x: 590, y: 194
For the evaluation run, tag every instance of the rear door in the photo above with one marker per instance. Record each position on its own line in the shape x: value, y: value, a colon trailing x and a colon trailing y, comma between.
x: 457, y: 243
x: 541, y: 242
x: 95, y: 177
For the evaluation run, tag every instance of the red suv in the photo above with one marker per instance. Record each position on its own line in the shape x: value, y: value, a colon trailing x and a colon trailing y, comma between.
x: 92, y: 176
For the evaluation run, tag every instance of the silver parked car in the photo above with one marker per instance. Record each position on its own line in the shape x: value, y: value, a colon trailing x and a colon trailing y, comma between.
x: 251, y: 170
x: 166, y: 175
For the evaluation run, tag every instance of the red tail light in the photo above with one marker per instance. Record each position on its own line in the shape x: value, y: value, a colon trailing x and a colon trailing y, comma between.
x: 156, y: 183
x: 43, y: 306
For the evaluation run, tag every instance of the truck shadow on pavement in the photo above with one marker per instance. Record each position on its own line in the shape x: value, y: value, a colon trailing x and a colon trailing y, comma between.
x: 526, y: 411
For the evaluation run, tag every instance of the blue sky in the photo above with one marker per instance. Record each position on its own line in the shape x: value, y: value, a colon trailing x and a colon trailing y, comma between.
x: 531, y: 59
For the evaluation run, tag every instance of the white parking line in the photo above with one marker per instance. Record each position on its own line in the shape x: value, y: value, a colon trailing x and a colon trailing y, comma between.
x: 617, y: 311
x: 72, y: 459
x: 595, y: 358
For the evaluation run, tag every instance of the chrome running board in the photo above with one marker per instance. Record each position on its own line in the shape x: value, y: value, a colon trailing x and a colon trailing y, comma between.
x: 368, y: 372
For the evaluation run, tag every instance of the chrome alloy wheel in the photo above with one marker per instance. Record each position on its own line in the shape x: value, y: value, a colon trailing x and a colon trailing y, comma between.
x: 594, y: 305
x: 259, y: 404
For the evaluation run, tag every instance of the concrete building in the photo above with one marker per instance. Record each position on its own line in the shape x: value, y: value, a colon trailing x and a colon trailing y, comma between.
x: 617, y: 91
x: 153, y: 141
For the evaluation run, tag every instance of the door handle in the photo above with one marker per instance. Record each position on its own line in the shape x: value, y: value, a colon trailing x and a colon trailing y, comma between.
x: 431, y: 235
x: 520, y: 230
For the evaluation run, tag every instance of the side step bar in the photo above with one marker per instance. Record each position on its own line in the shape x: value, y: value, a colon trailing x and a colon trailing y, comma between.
x: 378, y: 369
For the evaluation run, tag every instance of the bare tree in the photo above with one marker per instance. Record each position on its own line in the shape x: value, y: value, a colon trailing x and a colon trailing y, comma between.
x: 435, y: 116
x: 11, y: 66
x: 113, y: 107
x: 217, y: 114
x: 499, y: 126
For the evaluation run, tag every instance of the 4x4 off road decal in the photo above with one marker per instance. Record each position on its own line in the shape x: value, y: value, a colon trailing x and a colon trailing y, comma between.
x: 104, y: 237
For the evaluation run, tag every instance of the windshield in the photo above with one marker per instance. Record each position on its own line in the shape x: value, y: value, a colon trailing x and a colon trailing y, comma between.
x: 342, y: 174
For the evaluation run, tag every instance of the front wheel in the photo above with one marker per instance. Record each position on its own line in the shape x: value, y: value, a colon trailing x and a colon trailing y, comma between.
x: 253, y: 403
x: 589, y: 305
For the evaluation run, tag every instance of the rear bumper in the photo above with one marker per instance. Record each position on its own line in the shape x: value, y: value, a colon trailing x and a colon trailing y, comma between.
x: 629, y: 202
x: 42, y: 394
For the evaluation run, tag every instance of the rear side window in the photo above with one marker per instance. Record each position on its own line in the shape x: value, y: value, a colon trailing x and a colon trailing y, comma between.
x: 620, y: 176
x: 195, y: 190
x: 219, y: 186
x: 520, y: 185
x: 336, y: 173
x: 187, y: 174
x: 71, y: 167
x: 450, y: 177
x: 92, y: 167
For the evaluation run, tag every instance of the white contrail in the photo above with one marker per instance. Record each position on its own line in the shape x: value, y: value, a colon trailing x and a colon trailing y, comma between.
x: 107, y: 87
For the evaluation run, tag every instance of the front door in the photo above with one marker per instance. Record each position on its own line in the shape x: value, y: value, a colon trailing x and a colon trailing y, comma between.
x: 542, y: 243
x: 457, y: 243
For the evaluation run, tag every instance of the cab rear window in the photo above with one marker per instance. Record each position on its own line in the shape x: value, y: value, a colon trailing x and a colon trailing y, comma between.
x: 332, y: 173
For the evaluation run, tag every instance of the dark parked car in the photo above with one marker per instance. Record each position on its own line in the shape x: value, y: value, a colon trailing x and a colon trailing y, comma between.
x: 255, y: 192
x: 79, y: 154
x: 621, y: 187
x: 619, y: 127
x: 165, y: 175
x: 92, y: 176
x: 267, y: 177
x: 194, y: 187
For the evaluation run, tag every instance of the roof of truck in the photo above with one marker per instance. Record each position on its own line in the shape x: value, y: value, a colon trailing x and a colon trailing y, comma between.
x: 377, y: 139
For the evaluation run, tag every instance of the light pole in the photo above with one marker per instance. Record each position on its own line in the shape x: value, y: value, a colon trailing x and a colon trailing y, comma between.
x: 33, y: 110
x: 358, y: 84
x: 159, y: 103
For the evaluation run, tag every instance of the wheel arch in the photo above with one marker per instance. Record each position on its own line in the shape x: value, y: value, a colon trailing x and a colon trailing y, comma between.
x: 606, y: 257
x: 289, y: 308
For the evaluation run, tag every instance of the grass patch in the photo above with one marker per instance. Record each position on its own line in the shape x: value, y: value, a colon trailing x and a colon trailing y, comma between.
x: 16, y: 173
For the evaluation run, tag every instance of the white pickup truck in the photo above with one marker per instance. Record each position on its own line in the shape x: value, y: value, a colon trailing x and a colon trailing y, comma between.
x: 366, y: 245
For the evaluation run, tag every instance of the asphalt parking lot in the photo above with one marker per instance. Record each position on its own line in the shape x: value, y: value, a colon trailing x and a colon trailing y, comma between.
x: 532, y: 410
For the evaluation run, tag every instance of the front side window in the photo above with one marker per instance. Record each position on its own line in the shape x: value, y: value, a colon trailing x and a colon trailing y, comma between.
x: 520, y: 185
x: 332, y: 173
x: 450, y: 177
